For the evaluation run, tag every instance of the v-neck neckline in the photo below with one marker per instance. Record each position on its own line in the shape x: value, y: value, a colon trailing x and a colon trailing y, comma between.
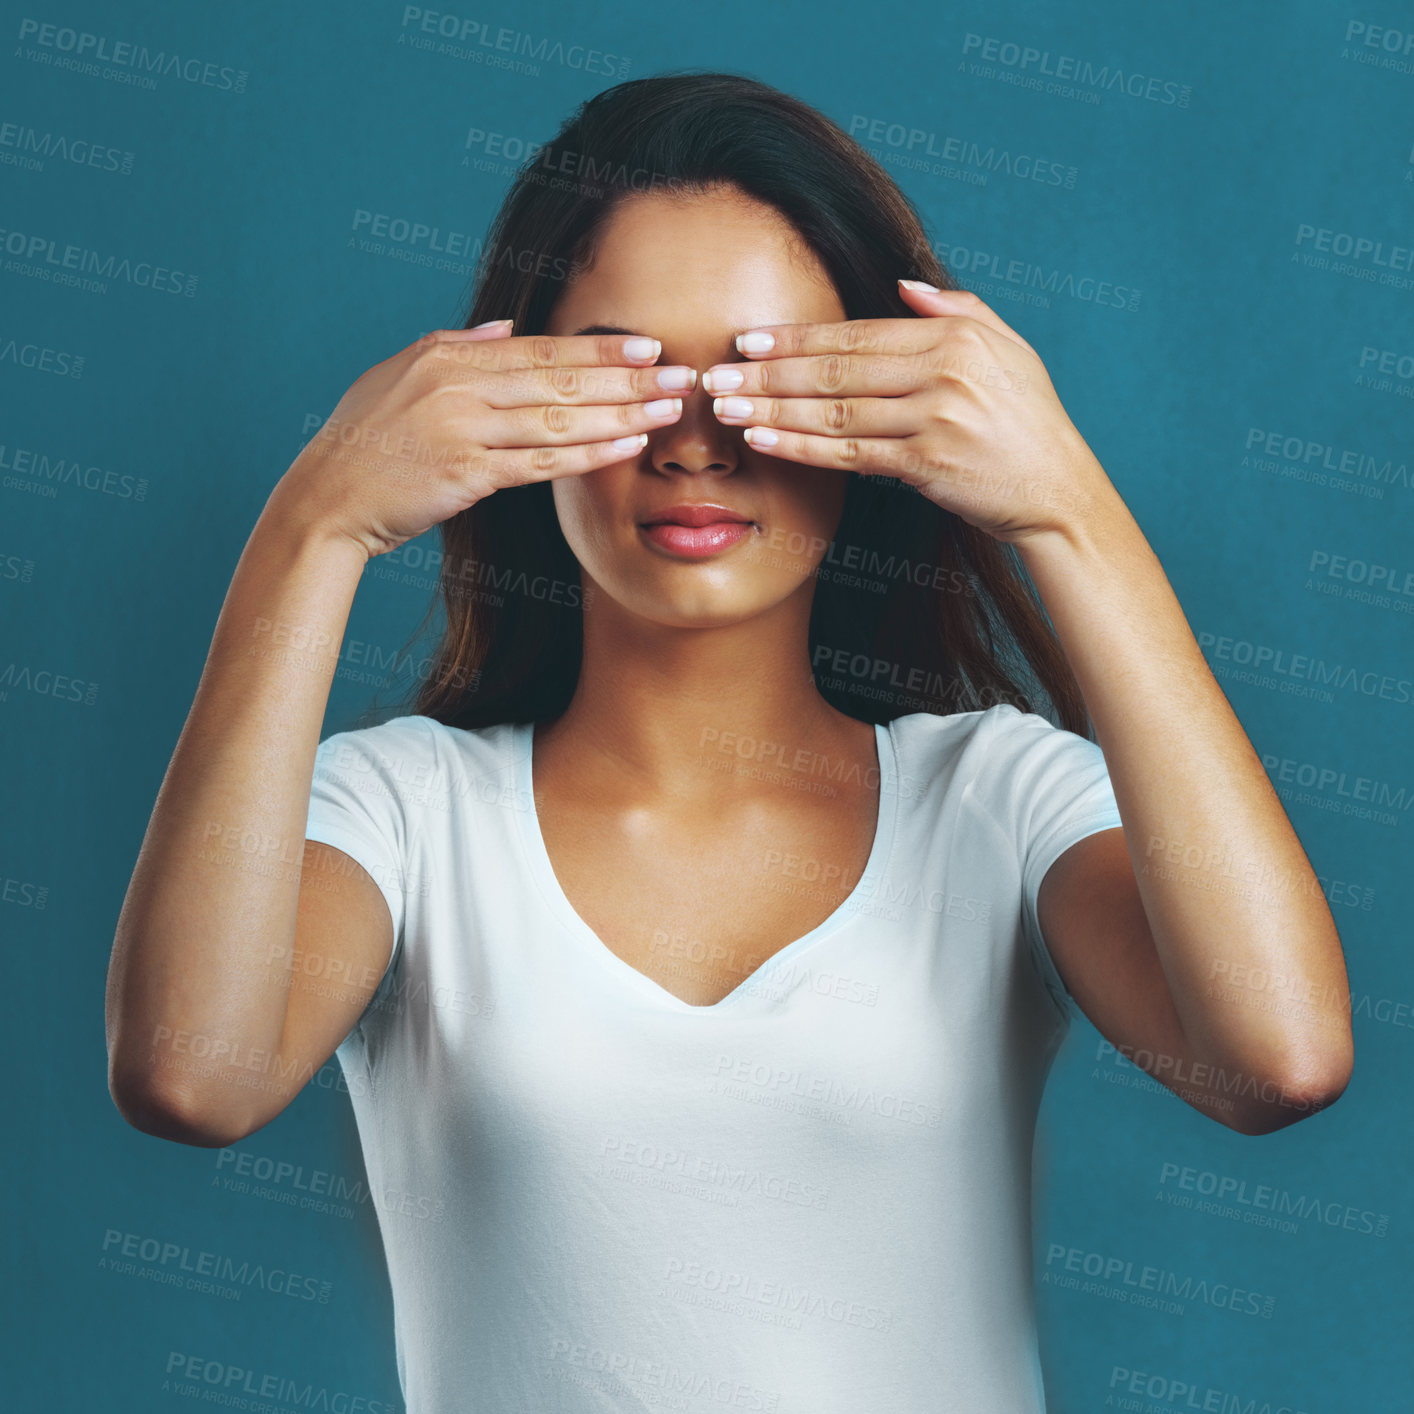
x: 522, y: 737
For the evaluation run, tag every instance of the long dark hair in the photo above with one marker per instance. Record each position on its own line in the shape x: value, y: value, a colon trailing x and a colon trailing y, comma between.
x: 914, y: 609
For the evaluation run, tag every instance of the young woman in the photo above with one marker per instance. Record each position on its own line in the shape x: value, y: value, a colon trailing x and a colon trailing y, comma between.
x: 737, y: 898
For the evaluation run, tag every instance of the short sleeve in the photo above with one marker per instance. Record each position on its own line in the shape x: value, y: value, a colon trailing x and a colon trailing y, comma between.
x: 357, y: 804
x: 1046, y: 788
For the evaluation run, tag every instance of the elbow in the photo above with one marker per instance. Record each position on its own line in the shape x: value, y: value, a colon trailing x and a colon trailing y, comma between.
x: 1300, y: 1093
x: 168, y: 1113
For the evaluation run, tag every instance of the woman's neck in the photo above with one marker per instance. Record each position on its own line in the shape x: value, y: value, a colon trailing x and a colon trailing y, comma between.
x: 673, y: 707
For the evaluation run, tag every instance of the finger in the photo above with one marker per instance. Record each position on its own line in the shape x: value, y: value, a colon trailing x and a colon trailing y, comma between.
x: 825, y: 417
x: 964, y: 302
x: 871, y: 336
x: 491, y: 329
x: 524, y: 387
x: 821, y: 375
x: 870, y: 456
x: 520, y: 466
x: 556, y: 425
x: 550, y: 351
x: 863, y: 336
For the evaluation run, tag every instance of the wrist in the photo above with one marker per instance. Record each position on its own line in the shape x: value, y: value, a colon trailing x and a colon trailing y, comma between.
x: 290, y: 520
x: 1081, y: 512
x: 1103, y: 540
x: 306, y: 535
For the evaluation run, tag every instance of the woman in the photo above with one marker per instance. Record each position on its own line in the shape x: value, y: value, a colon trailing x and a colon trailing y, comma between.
x: 736, y: 897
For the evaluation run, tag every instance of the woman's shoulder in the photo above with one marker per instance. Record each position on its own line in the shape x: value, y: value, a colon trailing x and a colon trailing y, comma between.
x: 983, y: 748
x: 413, y: 772
x: 413, y: 727
x: 412, y: 745
x: 954, y: 731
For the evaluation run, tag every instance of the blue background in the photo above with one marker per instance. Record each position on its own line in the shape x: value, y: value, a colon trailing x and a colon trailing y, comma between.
x: 1192, y: 201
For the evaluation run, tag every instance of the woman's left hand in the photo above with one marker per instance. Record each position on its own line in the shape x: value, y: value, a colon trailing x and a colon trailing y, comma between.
x: 956, y: 404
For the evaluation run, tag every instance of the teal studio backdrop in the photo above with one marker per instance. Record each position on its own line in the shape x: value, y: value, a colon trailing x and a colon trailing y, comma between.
x: 1198, y: 215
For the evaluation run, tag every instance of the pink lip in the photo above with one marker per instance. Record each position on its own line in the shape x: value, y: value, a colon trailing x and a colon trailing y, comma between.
x: 696, y: 541
x: 695, y: 513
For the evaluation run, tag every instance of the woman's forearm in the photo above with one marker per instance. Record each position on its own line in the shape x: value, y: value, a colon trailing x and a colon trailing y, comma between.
x: 1228, y: 892
x: 209, y: 917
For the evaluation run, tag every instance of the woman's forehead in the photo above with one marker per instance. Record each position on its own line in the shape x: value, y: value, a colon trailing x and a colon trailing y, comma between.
x: 717, y: 266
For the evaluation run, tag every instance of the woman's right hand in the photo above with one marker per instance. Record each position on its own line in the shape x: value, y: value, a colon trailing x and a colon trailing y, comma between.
x: 465, y: 412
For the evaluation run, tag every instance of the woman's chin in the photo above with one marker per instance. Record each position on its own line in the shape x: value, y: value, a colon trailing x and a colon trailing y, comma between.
x: 717, y: 605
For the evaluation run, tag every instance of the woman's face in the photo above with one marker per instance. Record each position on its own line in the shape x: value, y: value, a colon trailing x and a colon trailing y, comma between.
x: 694, y: 272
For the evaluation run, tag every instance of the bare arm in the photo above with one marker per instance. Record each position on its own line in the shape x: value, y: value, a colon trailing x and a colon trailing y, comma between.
x: 1197, y: 935
x: 199, y: 978
x: 1197, y: 939
x: 207, y: 1038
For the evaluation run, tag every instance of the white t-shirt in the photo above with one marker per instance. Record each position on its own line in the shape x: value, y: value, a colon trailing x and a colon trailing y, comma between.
x: 813, y: 1196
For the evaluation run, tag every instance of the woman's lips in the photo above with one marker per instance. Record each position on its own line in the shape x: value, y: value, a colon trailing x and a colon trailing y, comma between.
x: 695, y: 541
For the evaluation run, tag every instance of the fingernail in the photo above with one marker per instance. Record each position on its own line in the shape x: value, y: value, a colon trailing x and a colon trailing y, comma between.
x: 761, y: 437
x: 676, y: 376
x: 630, y: 444
x: 642, y: 348
x: 755, y: 342
x: 722, y: 380
x: 663, y: 407
x: 919, y: 285
x: 733, y: 407
x: 492, y: 322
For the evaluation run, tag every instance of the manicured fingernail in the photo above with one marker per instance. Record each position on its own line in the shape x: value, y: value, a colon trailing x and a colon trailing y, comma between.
x: 676, y: 376
x: 663, y: 407
x: 761, y: 437
x: 642, y: 348
x: 629, y: 444
x: 491, y: 323
x: 732, y: 407
x: 919, y: 285
x: 755, y: 342
x: 722, y: 380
